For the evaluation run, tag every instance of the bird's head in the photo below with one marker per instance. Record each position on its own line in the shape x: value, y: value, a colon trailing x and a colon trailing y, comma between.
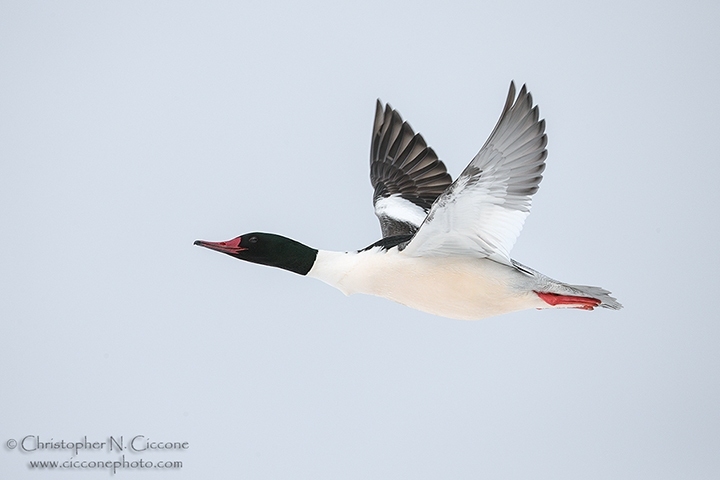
x: 267, y: 249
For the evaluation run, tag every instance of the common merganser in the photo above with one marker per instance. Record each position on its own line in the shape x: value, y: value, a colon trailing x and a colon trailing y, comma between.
x: 445, y: 246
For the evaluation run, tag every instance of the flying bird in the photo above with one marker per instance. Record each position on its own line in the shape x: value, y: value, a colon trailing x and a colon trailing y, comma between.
x: 445, y: 246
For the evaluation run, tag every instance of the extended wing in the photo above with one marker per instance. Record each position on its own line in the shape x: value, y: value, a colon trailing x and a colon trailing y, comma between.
x: 405, y: 173
x: 483, y: 211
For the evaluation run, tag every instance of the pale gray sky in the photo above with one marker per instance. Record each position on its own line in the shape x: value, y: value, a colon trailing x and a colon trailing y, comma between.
x: 129, y: 129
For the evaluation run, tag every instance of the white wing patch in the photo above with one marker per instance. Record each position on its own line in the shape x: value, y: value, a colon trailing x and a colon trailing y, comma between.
x: 400, y: 210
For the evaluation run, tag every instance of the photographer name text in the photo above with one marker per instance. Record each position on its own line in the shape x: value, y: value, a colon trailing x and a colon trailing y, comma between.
x: 137, y: 443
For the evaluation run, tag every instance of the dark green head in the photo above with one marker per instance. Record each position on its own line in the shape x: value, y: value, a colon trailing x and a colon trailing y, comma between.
x: 267, y: 249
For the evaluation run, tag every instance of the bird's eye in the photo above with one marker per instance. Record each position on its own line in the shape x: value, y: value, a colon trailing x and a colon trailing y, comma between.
x: 253, y: 239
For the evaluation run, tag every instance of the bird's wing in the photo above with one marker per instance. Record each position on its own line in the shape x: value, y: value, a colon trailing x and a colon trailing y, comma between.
x: 405, y: 173
x: 483, y: 211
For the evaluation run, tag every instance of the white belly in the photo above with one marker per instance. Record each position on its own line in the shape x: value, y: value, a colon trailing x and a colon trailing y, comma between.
x: 454, y: 287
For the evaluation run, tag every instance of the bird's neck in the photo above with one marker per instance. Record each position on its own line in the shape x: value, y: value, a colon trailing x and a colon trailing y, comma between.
x: 289, y: 255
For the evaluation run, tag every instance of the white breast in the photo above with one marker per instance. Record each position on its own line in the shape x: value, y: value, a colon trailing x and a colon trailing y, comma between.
x: 450, y: 286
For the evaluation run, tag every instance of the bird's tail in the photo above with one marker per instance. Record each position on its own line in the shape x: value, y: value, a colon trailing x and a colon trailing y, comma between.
x: 562, y: 295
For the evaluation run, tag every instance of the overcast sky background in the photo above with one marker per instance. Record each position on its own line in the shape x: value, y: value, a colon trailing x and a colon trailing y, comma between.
x: 129, y: 129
